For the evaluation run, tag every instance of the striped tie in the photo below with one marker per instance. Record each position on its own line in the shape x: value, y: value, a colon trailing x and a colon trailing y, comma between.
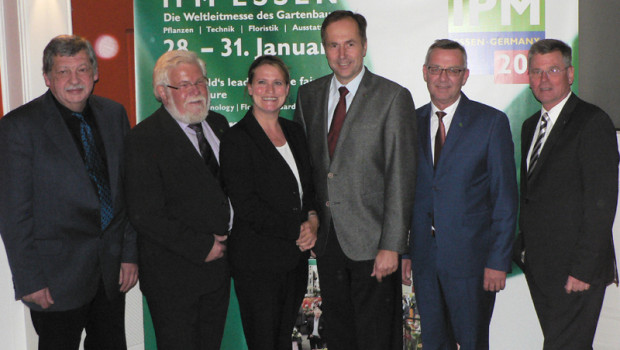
x: 538, y: 145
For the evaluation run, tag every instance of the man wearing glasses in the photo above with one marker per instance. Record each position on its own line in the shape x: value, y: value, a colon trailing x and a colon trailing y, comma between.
x: 179, y: 209
x: 465, y: 207
x: 569, y: 189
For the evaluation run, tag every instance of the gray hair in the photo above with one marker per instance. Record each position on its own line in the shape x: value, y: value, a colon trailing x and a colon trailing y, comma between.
x: 446, y: 44
x: 546, y: 46
x: 168, y: 61
x: 67, y: 45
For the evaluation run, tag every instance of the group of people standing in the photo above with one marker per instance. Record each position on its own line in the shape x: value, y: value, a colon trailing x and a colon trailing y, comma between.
x: 380, y: 192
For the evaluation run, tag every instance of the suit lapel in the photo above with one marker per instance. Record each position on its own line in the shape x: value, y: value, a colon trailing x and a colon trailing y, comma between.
x: 356, y: 110
x: 58, y: 132
x: 179, y: 142
x: 266, y: 147
x: 322, y: 108
x: 110, y: 144
x: 458, y: 124
x: 424, y: 134
x: 554, y: 136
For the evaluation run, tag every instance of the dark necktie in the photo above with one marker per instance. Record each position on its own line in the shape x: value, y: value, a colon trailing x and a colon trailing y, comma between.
x: 339, y: 114
x: 205, y: 150
x: 96, y: 171
x: 538, y: 145
x: 440, y: 137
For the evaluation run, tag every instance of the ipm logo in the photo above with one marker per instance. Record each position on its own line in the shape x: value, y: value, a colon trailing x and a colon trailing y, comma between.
x: 496, y: 15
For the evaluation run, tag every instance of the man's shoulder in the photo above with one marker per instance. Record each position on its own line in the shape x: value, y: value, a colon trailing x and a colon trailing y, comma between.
x: 30, y: 111
x: 321, y: 82
x: 103, y: 102
x: 481, y: 109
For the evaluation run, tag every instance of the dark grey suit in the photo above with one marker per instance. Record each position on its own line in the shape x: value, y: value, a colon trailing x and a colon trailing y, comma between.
x: 567, y: 212
x: 49, y: 212
x: 365, y: 195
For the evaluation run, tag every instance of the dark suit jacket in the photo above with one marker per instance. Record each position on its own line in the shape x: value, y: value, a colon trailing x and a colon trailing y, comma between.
x: 569, y: 202
x: 367, y: 188
x: 472, y: 193
x: 49, y: 208
x: 265, y: 195
x: 176, y: 205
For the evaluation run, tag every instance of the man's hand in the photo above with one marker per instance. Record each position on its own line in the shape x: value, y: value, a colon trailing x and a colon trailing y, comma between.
x: 575, y: 285
x: 218, y: 249
x: 406, y: 271
x: 307, y: 233
x: 386, y: 263
x: 42, y: 297
x: 494, y: 280
x: 128, y: 276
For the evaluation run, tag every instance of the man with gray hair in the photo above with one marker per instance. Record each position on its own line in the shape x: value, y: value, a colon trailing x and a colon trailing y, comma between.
x: 177, y: 205
x: 569, y: 190
x: 465, y: 208
x: 68, y: 239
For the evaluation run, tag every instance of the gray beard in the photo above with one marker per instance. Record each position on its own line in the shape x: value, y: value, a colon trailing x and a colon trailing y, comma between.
x: 187, y: 118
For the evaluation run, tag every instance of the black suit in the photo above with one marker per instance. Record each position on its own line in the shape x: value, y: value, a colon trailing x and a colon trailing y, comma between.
x: 269, y: 270
x: 50, y: 211
x: 567, y: 211
x: 176, y: 204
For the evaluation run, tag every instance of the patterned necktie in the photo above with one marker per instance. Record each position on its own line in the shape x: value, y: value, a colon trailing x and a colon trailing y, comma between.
x: 96, y: 171
x: 440, y: 137
x: 339, y: 114
x: 538, y: 145
x: 205, y: 150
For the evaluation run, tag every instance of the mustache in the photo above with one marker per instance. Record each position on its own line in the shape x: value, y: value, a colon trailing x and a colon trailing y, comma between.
x: 74, y: 87
x: 195, y: 99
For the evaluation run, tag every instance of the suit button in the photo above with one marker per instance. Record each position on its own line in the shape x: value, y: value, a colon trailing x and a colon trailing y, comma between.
x: 327, y: 204
x: 527, y: 200
x: 429, y: 215
x: 295, y: 209
x: 330, y: 175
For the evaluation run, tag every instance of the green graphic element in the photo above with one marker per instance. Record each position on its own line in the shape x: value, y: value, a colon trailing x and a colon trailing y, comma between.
x: 228, y: 35
x: 496, y: 16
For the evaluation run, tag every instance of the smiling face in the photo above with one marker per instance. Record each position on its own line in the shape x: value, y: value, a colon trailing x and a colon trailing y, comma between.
x: 344, y: 49
x: 550, y: 89
x: 71, y: 80
x: 189, y: 101
x: 445, y: 88
x: 268, y: 89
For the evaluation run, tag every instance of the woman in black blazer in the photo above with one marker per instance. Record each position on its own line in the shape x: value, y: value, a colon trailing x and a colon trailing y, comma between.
x: 265, y: 168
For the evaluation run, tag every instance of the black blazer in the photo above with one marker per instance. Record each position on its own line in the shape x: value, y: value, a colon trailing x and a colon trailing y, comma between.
x: 569, y: 203
x: 265, y: 195
x: 176, y: 205
x: 49, y: 209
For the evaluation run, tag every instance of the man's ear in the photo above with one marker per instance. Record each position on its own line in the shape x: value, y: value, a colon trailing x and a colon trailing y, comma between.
x: 161, y: 91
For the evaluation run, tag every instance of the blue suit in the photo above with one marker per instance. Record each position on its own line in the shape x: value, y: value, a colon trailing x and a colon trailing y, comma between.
x: 471, y: 199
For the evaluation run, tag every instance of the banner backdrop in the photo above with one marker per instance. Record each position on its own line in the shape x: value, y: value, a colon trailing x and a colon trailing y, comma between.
x: 229, y: 34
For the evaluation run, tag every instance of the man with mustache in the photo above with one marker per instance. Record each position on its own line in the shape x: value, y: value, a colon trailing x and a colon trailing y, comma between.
x: 68, y: 239
x: 178, y: 207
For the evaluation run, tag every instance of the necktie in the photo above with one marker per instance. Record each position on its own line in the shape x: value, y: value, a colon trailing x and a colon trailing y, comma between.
x: 440, y: 137
x: 339, y: 114
x: 538, y: 145
x: 205, y: 150
x: 96, y: 171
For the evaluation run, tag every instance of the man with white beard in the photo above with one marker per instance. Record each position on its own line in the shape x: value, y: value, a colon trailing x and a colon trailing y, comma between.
x: 177, y: 205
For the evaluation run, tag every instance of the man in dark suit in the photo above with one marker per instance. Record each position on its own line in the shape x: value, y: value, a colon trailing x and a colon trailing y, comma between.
x: 569, y: 189
x: 465, y: 211
x: 68, y: 239
x: 361, y: 131
x: 178, y: 207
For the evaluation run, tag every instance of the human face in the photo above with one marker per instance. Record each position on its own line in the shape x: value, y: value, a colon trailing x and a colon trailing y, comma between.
x: 445, y: 88
x: 550, y: 89
x: 71, y: 80
x: 344, y: 49
x: 268, y: 89
x: 187, y: 96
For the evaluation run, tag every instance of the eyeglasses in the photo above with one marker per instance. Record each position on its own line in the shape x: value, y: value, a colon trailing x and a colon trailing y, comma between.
x: 186, y: 85
x: 451, y: 71
x: 552, y: 72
